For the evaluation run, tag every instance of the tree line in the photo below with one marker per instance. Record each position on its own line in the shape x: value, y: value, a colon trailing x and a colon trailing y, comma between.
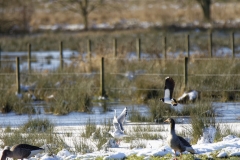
x: 16, y: 14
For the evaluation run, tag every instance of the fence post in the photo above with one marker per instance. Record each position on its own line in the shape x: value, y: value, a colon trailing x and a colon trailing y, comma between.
x: 187, y: 45
x: 61, y: 54
x: 185, y: 72
x: 29, y: 57
x: 138, y: 48
x: 164, y: 43
x: 89, y: 49
x: 17, y: 75
x: 115, y: 48
x: 232, y: 45
x: 102, y: 90
x: 210, y: 44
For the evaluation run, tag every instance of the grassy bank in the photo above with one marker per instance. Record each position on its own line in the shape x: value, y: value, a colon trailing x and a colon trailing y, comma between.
x: 77, y: 85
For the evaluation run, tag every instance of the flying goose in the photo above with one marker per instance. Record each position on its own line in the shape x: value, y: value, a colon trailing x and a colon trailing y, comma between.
x: 118, y: 125
x: 176, y: 142
x: 20, y: 151
x: 189, y: 96
x: 168, y: 92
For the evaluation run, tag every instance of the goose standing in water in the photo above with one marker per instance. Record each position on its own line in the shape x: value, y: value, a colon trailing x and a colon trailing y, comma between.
x: 118, y: 125
x: 176, y: 142
x: 20, y: 151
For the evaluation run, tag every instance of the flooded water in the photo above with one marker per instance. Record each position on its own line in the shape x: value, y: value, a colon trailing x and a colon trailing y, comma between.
x: 228, y: 113
x: 98, y: 115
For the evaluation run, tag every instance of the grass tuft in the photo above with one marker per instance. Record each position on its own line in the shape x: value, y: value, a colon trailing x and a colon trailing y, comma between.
x: 38, y: 125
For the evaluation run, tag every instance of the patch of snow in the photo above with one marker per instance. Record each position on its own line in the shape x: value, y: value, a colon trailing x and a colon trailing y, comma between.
x: 222, y: 154
x: 208, y: 135
x: 74, y: 27
x: 118, y: 155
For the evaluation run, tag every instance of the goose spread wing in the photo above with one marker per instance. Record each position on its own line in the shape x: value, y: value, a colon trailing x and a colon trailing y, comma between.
x: 183, y: 96
x: 167, y: 94
x: 121, y: 118
x: 169, y: 87
x: 117, y: 127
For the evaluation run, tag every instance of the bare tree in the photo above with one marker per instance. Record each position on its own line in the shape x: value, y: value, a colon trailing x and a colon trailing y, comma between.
x: 83, y: 7
x: 206, y: 8
x: 15, y: 14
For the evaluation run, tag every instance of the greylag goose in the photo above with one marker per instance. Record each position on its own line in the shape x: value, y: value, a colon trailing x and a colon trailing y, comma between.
x: 168, y: 92
x: 118, y: 125
x: 176, y: 142
x: 21, y: 151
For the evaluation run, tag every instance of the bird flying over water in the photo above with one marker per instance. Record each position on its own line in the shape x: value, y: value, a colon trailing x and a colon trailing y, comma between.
x: 168, y: 92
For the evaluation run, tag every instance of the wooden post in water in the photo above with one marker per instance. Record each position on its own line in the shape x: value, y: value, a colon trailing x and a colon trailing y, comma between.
x: 29, y: 57
x: 102, y: 90
x: 210, y: 44
x: 89, y: 49
x: 232, y: 45
x: 17, y: 75
x: 185, y: 72
x: 164, y: 46
x: 138, y: 48
x: 187, y: 46
x: 61, y: 54
x: 115, y: 48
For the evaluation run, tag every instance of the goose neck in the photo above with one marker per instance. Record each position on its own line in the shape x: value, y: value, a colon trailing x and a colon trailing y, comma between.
x: 172, y: 127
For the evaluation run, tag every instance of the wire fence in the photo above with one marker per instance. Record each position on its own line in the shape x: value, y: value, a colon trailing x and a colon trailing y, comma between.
x: 182, y: 68
x: 183, y: 75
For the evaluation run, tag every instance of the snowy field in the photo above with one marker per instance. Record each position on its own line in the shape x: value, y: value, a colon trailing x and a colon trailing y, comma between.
x: 74, y: 124
x: 228, y: 147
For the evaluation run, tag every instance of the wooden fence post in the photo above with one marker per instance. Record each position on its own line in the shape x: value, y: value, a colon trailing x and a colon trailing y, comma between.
x: 164, y: 44
x: 138, y: 48
x: 115, y: 48
x: 187, y: 45
x: 89, y: 49
x: 61, y: 54
x: 29, y: 58
x: 17, y: 75
x: 185, y: 72
x: 232, y: 45
x: 102, y: 87
x: 210, y: 44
